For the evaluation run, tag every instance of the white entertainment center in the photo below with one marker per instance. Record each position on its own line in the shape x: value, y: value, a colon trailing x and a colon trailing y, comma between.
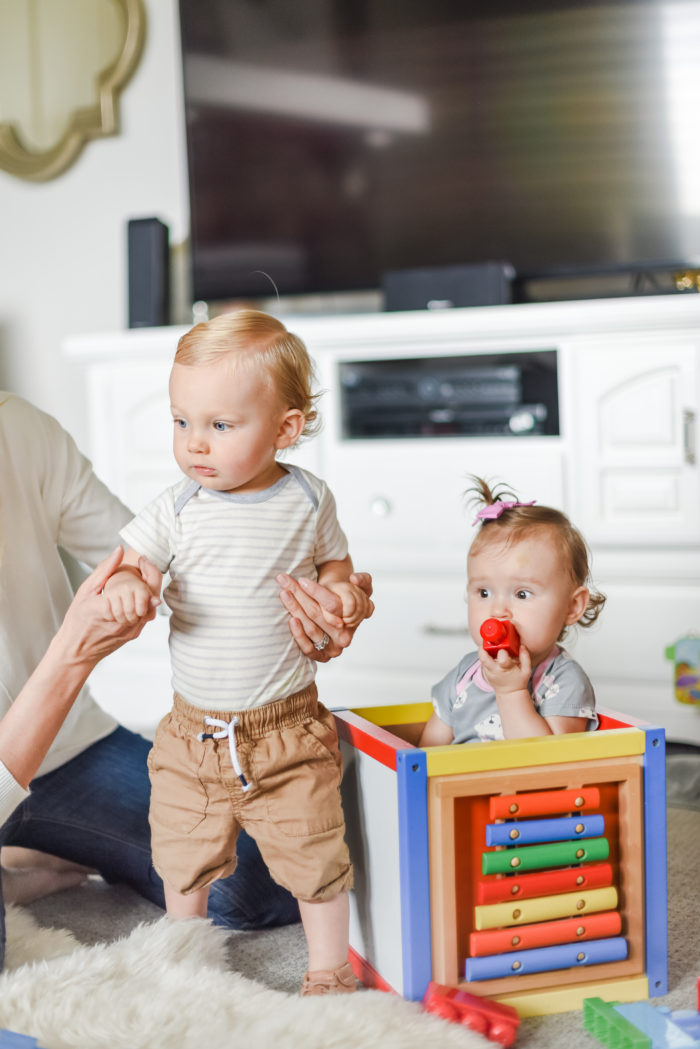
x: 623, y: 465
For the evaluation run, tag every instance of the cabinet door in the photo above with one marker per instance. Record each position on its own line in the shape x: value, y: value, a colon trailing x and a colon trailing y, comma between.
x: 624, y: 654
x: 417, y: 633
x: 131, y: 428
x: 634, y: 404
x: 403, y: 505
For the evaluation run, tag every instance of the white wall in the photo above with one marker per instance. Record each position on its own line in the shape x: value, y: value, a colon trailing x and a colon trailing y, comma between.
x: 63, y: 243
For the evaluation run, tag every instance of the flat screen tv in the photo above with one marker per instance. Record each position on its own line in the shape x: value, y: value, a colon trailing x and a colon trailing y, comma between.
x: 332, y: 141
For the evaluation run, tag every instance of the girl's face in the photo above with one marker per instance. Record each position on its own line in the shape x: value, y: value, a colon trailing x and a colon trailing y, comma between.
x: 528, y: 582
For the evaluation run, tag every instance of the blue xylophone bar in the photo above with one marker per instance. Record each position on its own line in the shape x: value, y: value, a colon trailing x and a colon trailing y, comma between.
x: 525, y: 832
x: 546, y: 959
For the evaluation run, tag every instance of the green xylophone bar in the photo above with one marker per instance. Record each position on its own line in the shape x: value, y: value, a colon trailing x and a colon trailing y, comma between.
x: 534, y: 857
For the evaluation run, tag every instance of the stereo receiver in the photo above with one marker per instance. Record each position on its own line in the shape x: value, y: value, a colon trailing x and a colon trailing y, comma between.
x: 509, y: 394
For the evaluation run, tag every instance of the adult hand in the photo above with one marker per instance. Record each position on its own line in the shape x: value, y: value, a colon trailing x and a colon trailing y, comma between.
x: 88, y: 632
x: 305, y: 599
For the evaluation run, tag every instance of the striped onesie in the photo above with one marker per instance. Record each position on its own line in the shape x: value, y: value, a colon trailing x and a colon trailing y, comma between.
x: 243, y: 687
x: 230, y: 644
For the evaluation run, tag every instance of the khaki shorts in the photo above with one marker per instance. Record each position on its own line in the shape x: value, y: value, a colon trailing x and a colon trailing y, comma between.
x: 288, y: 752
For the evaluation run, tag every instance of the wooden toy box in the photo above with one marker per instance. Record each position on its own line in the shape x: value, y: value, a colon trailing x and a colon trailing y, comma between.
x: 529, y: 871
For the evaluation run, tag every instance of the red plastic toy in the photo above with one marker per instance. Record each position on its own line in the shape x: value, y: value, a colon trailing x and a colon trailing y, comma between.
x: 495, y: 1021
x: 497, y: 634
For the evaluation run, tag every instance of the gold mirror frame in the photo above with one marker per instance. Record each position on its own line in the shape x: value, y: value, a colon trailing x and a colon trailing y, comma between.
x: 86, y: 122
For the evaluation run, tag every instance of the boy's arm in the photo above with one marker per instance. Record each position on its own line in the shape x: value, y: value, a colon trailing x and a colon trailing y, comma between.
x: 133, y: 588
x: 356, y: 604
x: 335, y: 571
x: 307, y: 601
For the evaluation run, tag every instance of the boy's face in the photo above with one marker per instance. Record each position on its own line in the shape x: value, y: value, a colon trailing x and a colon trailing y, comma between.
x: 527, y: 582
x: 229, y: 425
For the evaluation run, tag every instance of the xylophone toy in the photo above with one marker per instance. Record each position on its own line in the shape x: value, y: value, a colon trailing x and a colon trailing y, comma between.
x: 531, y: 872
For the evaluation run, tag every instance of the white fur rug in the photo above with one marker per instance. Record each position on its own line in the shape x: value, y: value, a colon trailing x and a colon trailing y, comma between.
x: 167, y: 986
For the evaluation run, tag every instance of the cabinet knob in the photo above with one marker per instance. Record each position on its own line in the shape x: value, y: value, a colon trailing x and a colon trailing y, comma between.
x: 380, y: 506
x: 436, y: 630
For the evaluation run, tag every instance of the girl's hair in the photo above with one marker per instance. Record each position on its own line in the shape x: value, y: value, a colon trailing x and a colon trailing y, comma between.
x: 516, y: 522
x: 257, y: 339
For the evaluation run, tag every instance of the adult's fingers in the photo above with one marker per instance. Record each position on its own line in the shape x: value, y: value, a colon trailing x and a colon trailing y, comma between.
x: 307, y: 646
x: 310, y: 592
x: 309, y: 605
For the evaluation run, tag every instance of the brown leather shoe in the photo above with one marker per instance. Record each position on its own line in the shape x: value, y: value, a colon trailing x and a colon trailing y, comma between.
x: 329, y: 981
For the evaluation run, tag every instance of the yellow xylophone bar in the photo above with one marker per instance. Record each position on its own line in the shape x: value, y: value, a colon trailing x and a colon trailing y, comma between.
x: 544, y: 908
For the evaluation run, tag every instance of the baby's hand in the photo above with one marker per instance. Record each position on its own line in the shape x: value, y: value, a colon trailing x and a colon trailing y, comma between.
x: 128, y: 595
x: 356, y: 604
x: 505, y: 674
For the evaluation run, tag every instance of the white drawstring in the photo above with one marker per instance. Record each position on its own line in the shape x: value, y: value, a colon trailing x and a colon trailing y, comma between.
x: 226, y: 728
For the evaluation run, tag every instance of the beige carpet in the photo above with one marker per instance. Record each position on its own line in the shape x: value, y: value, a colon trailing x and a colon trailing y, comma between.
x: 168, y: 985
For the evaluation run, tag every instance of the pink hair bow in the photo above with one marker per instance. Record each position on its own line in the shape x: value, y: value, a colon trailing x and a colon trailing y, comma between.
x: 494, y: 510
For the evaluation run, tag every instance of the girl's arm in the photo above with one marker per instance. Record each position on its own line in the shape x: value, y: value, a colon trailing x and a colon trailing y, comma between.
x: 436, y: 733
x: 520, y: 719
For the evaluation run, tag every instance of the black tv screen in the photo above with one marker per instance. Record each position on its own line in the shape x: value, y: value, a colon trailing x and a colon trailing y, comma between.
x: 332, y: 141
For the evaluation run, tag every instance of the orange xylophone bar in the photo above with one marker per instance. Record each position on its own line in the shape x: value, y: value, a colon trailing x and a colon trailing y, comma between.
x: 500, y: 888
x: 545, y: 934
x: 542, y: 803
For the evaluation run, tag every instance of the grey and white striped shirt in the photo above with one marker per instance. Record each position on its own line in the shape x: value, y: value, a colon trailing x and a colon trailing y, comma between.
x: 230, y: 645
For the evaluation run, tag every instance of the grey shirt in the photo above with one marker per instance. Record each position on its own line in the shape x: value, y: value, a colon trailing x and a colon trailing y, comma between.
x: 464, y: 701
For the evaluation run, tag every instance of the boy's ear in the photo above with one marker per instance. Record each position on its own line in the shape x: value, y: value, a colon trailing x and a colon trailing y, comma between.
x: 578, y: 604
x: 292, y: 424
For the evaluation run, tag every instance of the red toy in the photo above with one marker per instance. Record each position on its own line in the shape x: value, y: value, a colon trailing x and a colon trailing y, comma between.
x: 497, y: 1022
x: 497, y: 634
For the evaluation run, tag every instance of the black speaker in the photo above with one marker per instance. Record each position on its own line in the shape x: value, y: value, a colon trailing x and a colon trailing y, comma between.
x: 440, y: 287
x: 148, y: 256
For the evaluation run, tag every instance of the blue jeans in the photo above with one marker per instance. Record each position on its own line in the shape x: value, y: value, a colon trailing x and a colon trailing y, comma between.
x: 94, y: 810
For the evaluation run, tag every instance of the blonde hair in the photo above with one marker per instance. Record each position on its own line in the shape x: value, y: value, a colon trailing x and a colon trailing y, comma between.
x: 262, y: 340
x: 516, y: 522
